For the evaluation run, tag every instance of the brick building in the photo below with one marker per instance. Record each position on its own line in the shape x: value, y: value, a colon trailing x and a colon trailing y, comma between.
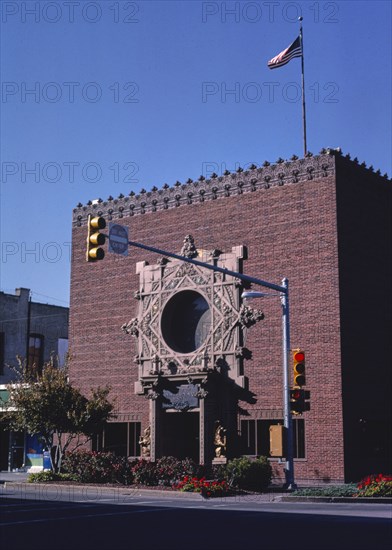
x: 34, y: 331
x: 189, y: 355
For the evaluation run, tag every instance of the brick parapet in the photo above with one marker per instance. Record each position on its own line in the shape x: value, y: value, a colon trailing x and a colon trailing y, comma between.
x: 236, y: 183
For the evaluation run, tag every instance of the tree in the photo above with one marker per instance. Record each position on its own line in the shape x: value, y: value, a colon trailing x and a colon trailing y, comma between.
x: 43, y: 403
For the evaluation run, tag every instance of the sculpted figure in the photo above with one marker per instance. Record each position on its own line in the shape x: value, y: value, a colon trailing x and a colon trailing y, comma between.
x: 220, y: 440
x: 145, y: 442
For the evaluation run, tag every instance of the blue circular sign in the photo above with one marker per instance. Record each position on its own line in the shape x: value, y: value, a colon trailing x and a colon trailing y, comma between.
x: 118, y: 239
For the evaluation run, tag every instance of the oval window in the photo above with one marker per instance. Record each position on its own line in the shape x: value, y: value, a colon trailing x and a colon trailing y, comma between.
x: 186, y: 321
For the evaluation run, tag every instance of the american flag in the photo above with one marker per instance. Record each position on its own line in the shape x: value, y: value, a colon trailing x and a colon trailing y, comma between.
x: 294, y: 50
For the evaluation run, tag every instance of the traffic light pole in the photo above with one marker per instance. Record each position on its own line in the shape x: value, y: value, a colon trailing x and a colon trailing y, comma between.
x: 283, y: 291
x: 288, y: 421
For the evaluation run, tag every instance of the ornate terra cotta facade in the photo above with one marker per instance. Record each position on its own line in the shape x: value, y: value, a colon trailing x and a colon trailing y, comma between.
x: 190, y: 333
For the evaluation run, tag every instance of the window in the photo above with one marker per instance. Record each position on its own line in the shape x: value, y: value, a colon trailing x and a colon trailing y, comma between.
x: 120, y: 438
x: 256, y: 438
x: 186, y: 321
x: 36, y: 350
x: 299, y: 437
x: 62, y: 350
x: 2, y: 348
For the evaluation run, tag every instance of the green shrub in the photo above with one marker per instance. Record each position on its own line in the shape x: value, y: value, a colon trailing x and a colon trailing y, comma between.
x: 348, y: 490
x: 144, y: 472
x: 218, y: 472
x: 250, y: 475
x: 103, y: 467
x: 169, y: 470
x: 95, y: 467
x: 45, y: 476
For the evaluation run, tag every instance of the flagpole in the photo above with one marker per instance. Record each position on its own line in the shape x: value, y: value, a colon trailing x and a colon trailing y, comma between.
x: 303, y: 84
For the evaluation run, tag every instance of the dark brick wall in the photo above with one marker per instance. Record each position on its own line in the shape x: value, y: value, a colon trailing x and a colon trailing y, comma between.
x: 365, y: 229
x: 290, y: 231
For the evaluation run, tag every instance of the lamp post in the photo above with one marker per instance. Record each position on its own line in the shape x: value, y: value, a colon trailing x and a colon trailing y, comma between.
x: 288, y: 423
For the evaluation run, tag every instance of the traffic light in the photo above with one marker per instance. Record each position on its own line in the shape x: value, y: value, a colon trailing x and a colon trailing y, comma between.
x: 298, y: 401
x: 299, y: 379
x: 95, y: 239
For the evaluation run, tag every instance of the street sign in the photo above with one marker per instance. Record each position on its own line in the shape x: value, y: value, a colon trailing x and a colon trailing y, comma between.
x: 277, y: 440
x: 118, y: 239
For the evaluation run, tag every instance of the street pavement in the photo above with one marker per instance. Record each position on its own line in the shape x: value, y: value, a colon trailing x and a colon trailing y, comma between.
x: 126, y: 521
x: 64, y: 516
x: 14, y: 485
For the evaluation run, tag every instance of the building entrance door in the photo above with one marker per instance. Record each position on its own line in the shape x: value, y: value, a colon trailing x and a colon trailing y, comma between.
x: 180, y: 435
x: 17, y: 450
x: 4, y: 448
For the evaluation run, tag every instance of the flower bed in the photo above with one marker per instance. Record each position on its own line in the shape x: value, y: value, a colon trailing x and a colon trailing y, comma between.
x: 208, y: 489
x: 241, y: 474
x: 375, y: 485
x: 379, y: 485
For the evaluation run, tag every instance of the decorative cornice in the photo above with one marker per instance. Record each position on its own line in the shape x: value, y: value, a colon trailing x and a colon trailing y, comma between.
x: 217, y: 187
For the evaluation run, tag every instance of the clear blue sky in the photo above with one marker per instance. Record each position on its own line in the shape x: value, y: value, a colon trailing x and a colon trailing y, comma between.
x: 101, y: 98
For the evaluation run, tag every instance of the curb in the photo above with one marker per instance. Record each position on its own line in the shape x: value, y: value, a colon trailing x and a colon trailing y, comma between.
x: 359, y: 500
x: 124, y: 489
x: 33, y: 489
x: 144, y: 492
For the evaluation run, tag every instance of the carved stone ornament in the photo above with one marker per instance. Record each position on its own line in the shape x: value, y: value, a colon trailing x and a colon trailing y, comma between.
x: 153, y: 395
x: 249, y: 316
x: 202, y: 393
x: 156, y: 364
x: 132, y: 327
x: 169, y: 347
x: 239, y: 351
x: 189, y: 249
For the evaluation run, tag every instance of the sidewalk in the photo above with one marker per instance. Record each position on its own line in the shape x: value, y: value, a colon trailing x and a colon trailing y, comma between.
x: 19, y: 480
x: 20, y: 477
x: 104, y: 493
